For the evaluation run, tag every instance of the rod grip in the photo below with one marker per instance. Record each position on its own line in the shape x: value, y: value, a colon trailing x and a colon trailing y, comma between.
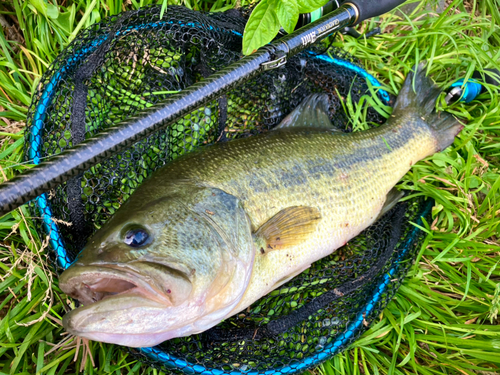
x: 373, y: 8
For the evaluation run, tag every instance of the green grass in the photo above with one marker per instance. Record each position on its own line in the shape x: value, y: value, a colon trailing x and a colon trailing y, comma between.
x: 445, y: 317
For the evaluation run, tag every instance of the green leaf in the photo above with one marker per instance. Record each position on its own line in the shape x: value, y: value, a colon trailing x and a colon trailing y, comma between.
x: 52, y: 11
x: 288, y: 14
x: 48, y: 10
x: 40, y: 6
x: 66, y: 19
x: 307, y: 6
x: 262, y: 26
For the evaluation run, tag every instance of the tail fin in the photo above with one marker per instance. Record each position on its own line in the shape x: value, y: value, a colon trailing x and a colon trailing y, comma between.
x: 422, y: 103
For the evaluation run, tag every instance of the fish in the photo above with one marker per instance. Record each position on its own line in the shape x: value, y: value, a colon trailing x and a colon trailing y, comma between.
x: 216, y: 229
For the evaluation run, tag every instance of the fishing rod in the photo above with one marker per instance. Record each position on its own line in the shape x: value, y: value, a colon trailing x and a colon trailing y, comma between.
x: 59, y: 168
x: 307, y: 18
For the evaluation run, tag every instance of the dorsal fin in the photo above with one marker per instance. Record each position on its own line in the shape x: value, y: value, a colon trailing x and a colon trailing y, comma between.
x: 311, y: 113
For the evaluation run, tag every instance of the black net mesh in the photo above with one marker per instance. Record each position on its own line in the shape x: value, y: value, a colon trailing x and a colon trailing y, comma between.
x: 132, y: 61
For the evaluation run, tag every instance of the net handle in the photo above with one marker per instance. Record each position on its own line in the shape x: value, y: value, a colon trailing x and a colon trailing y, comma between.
x: 59, y: 168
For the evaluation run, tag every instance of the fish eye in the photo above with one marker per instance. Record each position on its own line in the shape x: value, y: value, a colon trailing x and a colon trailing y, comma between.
x: 136, y: 237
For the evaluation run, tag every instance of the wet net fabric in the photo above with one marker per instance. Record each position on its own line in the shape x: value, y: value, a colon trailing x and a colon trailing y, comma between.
x: 134, y: 60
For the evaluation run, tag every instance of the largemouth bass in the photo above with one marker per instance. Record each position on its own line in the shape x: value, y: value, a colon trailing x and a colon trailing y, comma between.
x: 213, y: 231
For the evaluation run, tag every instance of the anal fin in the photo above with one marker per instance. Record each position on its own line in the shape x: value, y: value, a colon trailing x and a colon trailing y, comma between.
x: 393, y: 197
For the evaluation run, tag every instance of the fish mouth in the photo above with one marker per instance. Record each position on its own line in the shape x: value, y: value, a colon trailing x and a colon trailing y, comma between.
x: 124, y: 305
x: 93, y: 284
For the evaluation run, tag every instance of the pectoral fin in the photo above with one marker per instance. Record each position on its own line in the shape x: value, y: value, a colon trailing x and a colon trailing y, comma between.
x: 287, y: 228
x: 311, y: 113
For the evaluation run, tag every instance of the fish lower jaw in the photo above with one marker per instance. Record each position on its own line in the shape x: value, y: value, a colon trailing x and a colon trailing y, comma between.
x: 128, y: 319
x: 131, y: 341
x: 126, y: 339
x: 136, y: 323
